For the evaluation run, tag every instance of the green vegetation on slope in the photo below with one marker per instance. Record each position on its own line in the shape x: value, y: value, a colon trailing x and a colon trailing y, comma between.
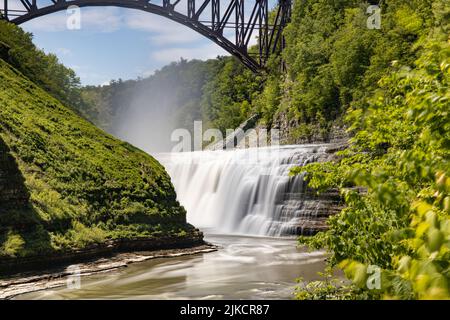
x: 17, y: 49
x: 400, y: 153
x: 84, y: 186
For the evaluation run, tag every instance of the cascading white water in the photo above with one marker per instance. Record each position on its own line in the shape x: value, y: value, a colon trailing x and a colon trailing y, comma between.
x: 244, y: 191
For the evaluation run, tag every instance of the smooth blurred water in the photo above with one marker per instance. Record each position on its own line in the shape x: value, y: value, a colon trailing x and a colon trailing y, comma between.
x: 243, y: 268
x: 245, y: 191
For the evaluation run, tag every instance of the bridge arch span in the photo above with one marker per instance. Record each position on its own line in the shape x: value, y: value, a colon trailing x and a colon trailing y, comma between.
x: 202, y: 16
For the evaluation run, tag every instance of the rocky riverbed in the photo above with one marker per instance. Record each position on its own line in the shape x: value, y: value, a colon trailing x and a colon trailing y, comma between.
x: 56, y: 277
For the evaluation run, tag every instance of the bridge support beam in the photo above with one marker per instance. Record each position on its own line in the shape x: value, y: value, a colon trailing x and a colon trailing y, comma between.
x: 191, y: 9
x: 215, y: 14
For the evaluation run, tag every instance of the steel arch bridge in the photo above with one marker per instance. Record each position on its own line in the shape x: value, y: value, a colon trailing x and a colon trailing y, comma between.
x: 214, y: 19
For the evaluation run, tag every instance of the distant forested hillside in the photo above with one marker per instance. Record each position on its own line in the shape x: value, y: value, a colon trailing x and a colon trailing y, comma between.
x: 218, y: 92
x: 333, y: 63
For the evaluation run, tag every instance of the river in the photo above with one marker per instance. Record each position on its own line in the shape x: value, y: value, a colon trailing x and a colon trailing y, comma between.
x: 248, y: 205
x: 242, y: 268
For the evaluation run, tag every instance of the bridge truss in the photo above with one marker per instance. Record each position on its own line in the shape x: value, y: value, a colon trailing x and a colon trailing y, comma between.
x: 244, y: 28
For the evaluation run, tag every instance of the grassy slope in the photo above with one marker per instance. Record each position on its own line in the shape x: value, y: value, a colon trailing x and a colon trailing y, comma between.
x: 85, y: 186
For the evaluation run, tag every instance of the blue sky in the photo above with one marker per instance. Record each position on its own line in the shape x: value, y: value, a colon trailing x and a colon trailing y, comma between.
x: 119, y: 43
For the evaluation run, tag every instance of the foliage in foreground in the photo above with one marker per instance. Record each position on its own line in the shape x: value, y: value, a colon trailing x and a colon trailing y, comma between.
x: 400, y: 153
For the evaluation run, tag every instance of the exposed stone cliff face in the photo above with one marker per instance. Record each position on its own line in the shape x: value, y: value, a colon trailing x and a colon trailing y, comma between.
x: 240, y: 138
x: 317, y: 208
x: 291, y: 132
x: 329, y: 203
x: 250, y: 134
x: 13, y: 193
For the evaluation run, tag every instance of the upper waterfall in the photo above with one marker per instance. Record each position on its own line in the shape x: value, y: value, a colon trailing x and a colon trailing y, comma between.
x: 245, y: 191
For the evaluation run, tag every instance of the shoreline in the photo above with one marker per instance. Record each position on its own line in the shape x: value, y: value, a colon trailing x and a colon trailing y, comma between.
x: 32, y: 281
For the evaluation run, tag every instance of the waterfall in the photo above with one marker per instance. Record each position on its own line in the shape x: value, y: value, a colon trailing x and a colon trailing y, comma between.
x: 245, y: 191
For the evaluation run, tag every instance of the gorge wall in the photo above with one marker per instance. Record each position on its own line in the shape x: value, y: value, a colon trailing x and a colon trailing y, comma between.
x: 13, y: 193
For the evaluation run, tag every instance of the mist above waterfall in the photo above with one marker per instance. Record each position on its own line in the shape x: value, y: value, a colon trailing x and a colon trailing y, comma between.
x: 148, y: 118
x: 146, y: 111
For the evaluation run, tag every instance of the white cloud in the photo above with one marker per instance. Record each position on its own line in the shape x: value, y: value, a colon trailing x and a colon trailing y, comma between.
x: 88, y: 75
x: 165, y: 33
x: 105, y: 20
x: 76, y: 67
x: 162, y: 30
x: 64, y: 51
x: 208, y: 51
x: 144, y: 73
x: 93, y: 77
x: 253, y: 40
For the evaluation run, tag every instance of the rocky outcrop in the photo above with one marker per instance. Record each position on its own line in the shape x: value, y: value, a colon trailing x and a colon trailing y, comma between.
x: 237, y: 139
x: 300, y: 210
x: 316, y: 209
x: 311, y: 209
x: 58, y: 276
x: 109, y: 248
x: 293, y: 132
x: 288, y: 134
